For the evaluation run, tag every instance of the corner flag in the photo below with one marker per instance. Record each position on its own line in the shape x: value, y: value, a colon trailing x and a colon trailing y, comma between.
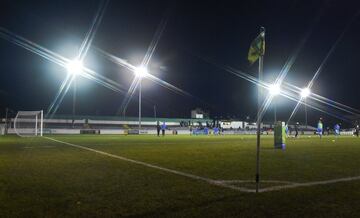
x: 257, y: 51
x: 257, y: 47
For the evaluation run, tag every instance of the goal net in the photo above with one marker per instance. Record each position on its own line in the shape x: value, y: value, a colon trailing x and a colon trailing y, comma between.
x: 29, y: 123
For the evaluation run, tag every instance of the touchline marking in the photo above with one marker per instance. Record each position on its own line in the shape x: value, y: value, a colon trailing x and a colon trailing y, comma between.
x: 306, y: 184
x: 210, y: 181
x: 221, y: 183
x: 28, y: 147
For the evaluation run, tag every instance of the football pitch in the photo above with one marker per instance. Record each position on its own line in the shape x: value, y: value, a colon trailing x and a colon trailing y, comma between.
x: 178, y: 176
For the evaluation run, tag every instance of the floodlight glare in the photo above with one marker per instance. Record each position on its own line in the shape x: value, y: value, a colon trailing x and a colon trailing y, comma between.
x: 141, y: 72
x: 74, y: 67
x: 305, y: 92
x: 274, y: 89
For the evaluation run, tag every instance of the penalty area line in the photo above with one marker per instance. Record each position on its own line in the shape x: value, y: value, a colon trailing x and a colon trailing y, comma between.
x: 188, y: 175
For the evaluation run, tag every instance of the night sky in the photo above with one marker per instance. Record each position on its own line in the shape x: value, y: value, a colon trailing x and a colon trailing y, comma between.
x: 220, y: 31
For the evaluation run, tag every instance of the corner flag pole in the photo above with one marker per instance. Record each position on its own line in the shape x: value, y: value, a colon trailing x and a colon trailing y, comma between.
x: 258, y: 123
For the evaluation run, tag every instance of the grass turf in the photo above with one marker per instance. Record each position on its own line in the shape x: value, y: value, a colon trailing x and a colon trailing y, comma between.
x: 43, y: 178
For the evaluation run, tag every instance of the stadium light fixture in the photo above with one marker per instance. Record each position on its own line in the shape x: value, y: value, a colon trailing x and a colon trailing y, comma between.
x: 274, y: 89
x: 305, y: 92
x: 74, y: 67
x: 141, y: 72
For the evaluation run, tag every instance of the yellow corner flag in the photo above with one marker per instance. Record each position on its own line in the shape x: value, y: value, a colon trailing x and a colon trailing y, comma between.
x: 257, y: 47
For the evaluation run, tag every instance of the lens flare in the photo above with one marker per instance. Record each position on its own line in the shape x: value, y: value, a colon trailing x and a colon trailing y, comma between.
x: 74, y: 67
x: 141, y: 72
x: 305, y: 92
x: 274, y: 89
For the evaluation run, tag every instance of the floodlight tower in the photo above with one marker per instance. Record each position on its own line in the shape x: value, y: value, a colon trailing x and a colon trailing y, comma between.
x: 140, y: 72
x: 305, y: 92
x: 74, y: 68
x: 274, y: 90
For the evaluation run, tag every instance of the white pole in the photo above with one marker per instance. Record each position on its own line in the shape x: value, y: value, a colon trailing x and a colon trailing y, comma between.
x: 41, y: 124
x: 74, y: 101
x: 275, y: 110
x: 140, y: 105
x: 155, y: 111
x: 6, y: 121
x: 306, y: 116
x: 36, y: 125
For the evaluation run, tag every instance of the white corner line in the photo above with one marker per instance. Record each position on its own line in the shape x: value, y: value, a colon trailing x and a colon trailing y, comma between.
x: 307, y: 184
x: 220, y: 183
x: 188, y: 175
x: 251, y: 181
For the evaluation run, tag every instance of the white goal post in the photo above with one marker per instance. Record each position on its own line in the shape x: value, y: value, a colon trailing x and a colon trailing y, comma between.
x: 29, y: 123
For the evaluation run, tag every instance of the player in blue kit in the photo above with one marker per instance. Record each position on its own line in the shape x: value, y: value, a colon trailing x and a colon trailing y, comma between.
x: 163, y: 128
x: 337, y: 129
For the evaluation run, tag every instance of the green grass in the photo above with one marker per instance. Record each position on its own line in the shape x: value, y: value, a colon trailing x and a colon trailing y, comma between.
x: 43, y: 178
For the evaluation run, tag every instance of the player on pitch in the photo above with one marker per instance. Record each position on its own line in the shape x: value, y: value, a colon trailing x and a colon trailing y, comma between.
x: 163, y: 128
x: 158, y: 128
x: 297, y: 129
x: 337, y: 129
x: 320, y: 128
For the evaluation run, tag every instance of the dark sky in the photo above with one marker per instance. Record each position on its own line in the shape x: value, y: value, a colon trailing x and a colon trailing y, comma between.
x: 196, y: 30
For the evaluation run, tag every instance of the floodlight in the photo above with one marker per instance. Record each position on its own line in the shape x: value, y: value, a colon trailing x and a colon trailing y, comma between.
x: 141, y: 72
x: 274, y: 89
x: 305, y: 92
x: 74, y: 67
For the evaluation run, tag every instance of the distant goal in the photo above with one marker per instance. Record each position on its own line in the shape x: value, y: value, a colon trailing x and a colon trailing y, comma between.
x: 29, y: 123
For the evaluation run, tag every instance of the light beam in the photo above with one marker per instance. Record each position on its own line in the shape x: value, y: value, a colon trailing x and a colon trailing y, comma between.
x: 274, y: 89
x: 141, y: 72
x: 305, y: 92
x: 74, y: 67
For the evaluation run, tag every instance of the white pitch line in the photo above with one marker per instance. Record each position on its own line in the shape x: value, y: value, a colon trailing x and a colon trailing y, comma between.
x: 195, y: 177
x: 307, y: 184
x: 28, y: 147
x: 221, y: 183
x: 252, y: 181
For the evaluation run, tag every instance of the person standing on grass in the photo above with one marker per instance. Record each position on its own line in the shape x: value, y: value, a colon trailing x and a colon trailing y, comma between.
x: 206, y: 130
x: 357, y: 128
x: 158, y: 128
x: 163, y: 127
x: 320, y: 128
x: 337, y: 129
x: 216, y: 130
x: 296, y: 129
x: 328, y: 130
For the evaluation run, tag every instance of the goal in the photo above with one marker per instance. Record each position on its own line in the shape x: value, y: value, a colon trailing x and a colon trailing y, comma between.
x: 29, y: 123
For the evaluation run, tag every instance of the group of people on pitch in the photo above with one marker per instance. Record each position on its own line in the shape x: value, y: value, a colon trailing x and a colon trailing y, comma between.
x: 357, y: 128
x: 320, y: 129
x: 161, y: 127
x: 216, y: 130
